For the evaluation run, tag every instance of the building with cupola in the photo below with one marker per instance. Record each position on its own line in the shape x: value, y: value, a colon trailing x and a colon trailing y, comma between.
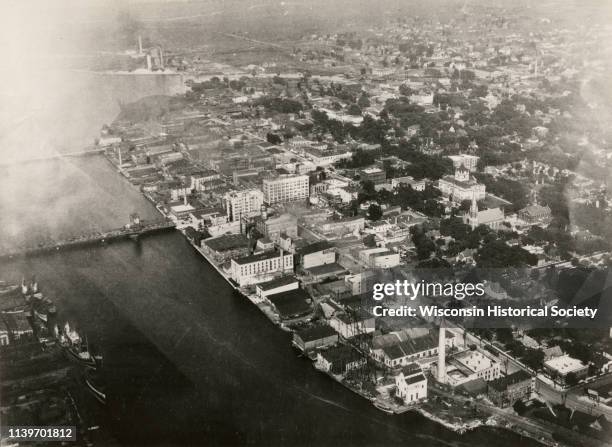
x: 461, y: 186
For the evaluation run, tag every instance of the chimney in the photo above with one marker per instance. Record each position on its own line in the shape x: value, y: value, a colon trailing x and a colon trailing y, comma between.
x: 442, y: 353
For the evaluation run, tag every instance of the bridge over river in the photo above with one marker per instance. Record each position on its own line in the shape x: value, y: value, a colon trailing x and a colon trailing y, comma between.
x: 132, y: 230
x: 55, y: 156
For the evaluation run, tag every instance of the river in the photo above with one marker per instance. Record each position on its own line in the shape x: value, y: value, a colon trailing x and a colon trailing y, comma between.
x: 187, y: 360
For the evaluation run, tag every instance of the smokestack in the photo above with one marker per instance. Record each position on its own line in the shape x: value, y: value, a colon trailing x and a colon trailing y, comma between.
x: 442, y: 353
x: 139, y: 44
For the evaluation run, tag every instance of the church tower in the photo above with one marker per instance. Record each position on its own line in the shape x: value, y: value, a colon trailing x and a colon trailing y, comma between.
x: 472, y: 219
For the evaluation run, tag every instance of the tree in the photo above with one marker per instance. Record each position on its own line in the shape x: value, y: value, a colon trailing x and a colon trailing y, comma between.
x: 534, y: 358
x: 424, y: 245
x: 272, y: 138
x: 353, y: 109
x: 496, y: 253
x: 369, y: 241
x: 359, y: 159
x: 374, y: 212
x: 520, y: 407
x: 571, y: 379
x: 405, y: 90
x: 363, y: 101
x: 504, y: 335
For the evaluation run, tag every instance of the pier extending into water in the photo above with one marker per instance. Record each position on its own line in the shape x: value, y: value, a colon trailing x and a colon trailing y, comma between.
x: 131, y: 230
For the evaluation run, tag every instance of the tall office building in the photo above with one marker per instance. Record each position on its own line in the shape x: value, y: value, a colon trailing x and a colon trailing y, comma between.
x: 243, y: 203
x: 286, y: 188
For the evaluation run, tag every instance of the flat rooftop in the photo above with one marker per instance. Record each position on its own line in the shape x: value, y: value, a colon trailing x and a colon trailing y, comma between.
x: 291, y: 304
x: 316, y: 332
x: 227, y: 242
x: 475, y: 361
x: 564, y: 364
x: 333, y: 267
x: 278, y: 282
x: 258, y: 257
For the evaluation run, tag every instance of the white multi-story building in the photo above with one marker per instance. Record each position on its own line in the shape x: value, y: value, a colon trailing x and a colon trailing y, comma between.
x: 244, y: 203
x: 287, y: 188
x: 471, y: 365
x: 417, y: 185
x: 260, y: 268
x: 349, y: 326
x: 326, y: 158
x: 379, y: 257
x: 200, y: 178
x: 411, y: 384
x: 461, y: 186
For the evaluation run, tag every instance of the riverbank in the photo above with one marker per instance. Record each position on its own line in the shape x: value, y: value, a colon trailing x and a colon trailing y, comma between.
x: 274, y: 318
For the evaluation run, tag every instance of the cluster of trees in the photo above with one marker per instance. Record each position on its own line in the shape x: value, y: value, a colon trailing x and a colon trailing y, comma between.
x: 374, y: 212
x: 371, y: 130
x: 425, y: 201
x: 463, y: 236
x: 492, y: 250
x: 555, y: 156
x: 511, y: 190
x: 273, y: 138
x: 404, y: 196
x: 213, y: 83
x: 495, y: 154
x: 554, y: 196
x: 496, y: 254
x: 342, y: 92
x: 508, y: 117
x: 596, y: 220
x: 463, y: 75
x: 450, y: 100
x: 359, y: 159
x: 350, y: 41
x: 353, y: 109
x: 424, y: 245
x: 363, y: 101
x: 280, y: 105
x: 324, y: 124
x: 409, y: 114
x: 554, y: 239
x: 421, y: 165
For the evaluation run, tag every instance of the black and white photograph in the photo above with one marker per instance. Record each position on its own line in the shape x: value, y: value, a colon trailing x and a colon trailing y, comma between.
x: 306, y: 223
